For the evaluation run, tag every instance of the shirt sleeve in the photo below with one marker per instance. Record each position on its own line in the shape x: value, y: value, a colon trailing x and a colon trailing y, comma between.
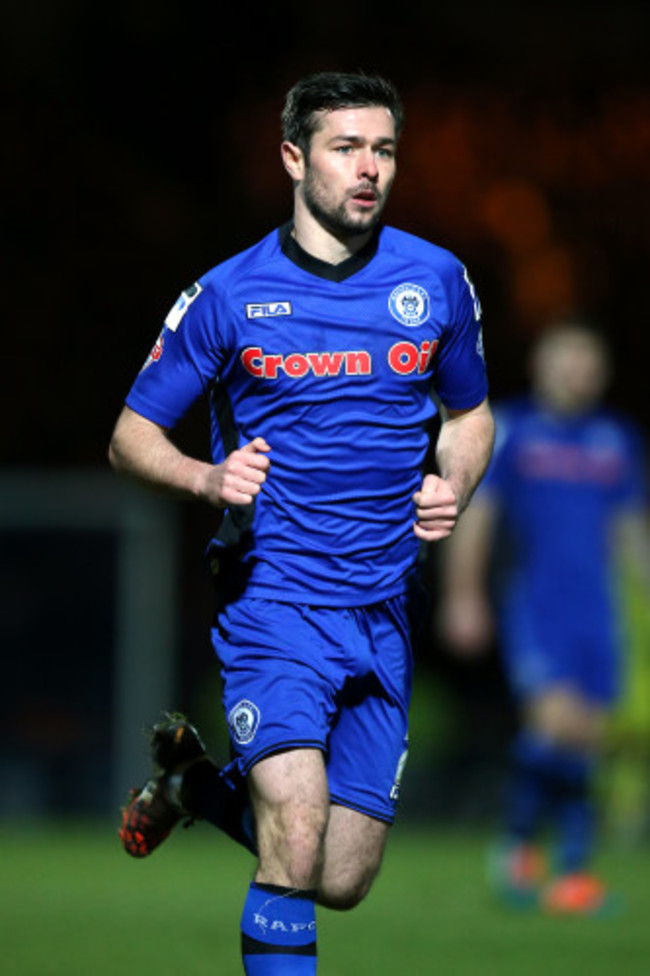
x: 631, y: 490
x: 185, y: 359
x: 460, y: 377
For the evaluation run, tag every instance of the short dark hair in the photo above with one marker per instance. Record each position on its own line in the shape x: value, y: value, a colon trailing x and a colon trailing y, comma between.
x: 331, y: 90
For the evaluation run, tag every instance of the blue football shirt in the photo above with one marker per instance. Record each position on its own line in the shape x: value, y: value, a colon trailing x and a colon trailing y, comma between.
x: 335, y: 367
x: 560, y: 483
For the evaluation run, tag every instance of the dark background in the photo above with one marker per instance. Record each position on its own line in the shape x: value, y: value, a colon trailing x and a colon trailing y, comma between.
x: 140, y: 148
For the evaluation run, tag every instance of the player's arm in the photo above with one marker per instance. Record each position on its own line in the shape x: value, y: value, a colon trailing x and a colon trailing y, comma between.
x: 463, y: 451
x: 465, y: 615
x: 632, y: 541
x: 143, y: 450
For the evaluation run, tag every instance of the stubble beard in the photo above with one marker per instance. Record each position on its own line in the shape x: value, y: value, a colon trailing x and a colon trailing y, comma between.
x: 336, y: 219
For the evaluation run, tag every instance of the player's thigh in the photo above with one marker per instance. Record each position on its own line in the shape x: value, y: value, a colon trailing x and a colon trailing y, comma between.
x: 354, y: 848
x: 290, y: 798
x: 293, y: 777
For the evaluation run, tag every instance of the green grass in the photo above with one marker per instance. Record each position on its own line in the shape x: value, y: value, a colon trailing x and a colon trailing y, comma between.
x: 72, y: 904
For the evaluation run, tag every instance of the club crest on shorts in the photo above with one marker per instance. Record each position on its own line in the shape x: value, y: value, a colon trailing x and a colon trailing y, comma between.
x: 409, y: 304
x: 244, y: 720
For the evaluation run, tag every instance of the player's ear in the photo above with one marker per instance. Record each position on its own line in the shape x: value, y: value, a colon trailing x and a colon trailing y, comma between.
x: 293, y: 159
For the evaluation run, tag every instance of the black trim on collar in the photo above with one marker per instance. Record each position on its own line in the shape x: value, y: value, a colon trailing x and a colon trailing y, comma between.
x: 322, y: 269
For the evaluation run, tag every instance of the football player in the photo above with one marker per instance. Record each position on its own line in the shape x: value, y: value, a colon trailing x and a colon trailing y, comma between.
x: 564, y: 489
x: 318, y: 349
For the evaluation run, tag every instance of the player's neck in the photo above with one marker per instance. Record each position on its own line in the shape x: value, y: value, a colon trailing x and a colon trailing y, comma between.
x: 321, y: 243
x: 563, y: 408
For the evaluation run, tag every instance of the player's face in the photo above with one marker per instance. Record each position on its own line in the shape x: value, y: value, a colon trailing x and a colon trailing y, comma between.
x: 349, y: 169
x: 571, y: 372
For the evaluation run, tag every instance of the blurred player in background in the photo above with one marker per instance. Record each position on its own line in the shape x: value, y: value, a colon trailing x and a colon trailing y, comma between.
x: 318, y: 349
x: 540, y: 539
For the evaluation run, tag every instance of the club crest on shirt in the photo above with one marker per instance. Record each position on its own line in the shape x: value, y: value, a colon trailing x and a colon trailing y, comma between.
x: 244, y: 720
x: 409, y: 304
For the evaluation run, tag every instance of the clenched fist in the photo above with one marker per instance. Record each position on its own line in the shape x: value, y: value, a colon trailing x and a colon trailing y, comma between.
x: 436, y: 509
x: 238, y: 479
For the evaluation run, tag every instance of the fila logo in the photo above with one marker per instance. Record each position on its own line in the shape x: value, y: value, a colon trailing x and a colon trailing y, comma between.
x: 267, y: 310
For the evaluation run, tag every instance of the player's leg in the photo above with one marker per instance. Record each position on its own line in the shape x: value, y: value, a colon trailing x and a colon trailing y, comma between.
x: 220, y: 797
x: 304, y: 841
x: 532, y: 658
x: 283, y: 668
x: 368, y: 748
x: 278, y: 694
x: 291, y: 802
x: 564, y: 667
x: 184, y: 785
x: 551, y: 773
x: 560, y: 734
x: 572, y: 729
x: 309, y: 852
x: 562, y: 714
x: 322, y: 830
x: 552, y: 770
x: 354, y: 848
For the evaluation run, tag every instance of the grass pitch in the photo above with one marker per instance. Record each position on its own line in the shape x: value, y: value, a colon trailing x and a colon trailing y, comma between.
x: 73, y: 904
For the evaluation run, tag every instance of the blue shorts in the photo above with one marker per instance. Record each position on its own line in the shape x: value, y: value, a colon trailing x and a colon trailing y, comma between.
x: 338, y: 680
x: 571, y: 646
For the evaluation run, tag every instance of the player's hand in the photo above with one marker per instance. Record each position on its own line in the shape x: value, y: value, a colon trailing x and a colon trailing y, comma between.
x: 238, y: 479
x: 436, y: 509
x: 465, y: 624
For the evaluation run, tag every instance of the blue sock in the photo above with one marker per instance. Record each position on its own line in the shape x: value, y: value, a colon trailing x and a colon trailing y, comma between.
x: 278, y: 929
x: 529, y: 787
x: 552, y: 780
x: 574, y: 811
x: 220, y: 796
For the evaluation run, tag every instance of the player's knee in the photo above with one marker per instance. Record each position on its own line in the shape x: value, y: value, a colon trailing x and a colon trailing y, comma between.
x: 347, y: 889
x: 343, y: 898
x: 567, y: 721
x: 578, y: 732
